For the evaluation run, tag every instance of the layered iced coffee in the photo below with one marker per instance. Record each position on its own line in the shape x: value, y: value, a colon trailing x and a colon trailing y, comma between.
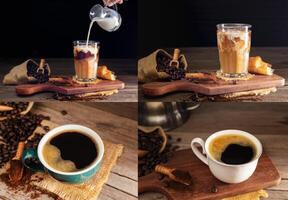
x: 86, y: 56
x: 234, y: 41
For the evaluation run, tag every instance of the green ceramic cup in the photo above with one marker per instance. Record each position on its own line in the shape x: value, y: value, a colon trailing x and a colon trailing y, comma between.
x: 68, y: 177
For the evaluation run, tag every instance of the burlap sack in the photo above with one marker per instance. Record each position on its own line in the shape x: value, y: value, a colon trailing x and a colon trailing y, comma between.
x: 19, y: 74
x: 147, y: 71
x: 151, y: 129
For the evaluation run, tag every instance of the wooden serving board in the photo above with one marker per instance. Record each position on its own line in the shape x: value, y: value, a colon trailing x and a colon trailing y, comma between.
x: 213, y: 88
x: 266, y: 175
x: 102, y: 85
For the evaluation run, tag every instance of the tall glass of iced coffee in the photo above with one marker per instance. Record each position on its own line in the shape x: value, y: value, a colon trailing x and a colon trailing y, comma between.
x: 86, y: 56
x: 234, y: 41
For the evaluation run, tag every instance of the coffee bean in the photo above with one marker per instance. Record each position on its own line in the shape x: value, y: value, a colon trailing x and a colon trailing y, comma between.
x: 18, y: 107
x: 214, y: 189
x: 46, y: 128
x: 163, y: 65
x: 149, y: 161
x: 18, y: 128
x: 64, y: 112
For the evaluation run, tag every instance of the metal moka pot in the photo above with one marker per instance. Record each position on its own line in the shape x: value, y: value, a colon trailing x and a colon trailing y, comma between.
x: 168, y: 115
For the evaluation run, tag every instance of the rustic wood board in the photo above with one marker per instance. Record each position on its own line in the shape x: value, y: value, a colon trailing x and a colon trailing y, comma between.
x: 102, y: 85
x: 266, y: 175
x: 213, y: 88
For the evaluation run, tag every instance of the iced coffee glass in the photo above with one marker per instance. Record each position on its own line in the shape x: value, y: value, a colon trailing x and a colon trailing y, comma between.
x: 234, y: 41
x: 86, y: 56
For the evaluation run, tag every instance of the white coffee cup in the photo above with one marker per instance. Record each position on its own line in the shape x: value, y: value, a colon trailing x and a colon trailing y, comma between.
x: 226, y: 172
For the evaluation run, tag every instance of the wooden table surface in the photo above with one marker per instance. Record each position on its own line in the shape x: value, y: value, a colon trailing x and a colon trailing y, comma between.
x: 267, y: 121
x: 114, y: 122
x: 125, y: 69
x: 206, y: 58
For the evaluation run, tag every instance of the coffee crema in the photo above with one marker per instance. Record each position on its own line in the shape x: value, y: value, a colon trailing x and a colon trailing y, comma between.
x: 232, y: 149
x: 70, y: 151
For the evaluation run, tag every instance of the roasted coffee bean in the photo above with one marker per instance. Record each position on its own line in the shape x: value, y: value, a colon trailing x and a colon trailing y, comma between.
x: 18, y: 107
x: 150, y: 141
x: 163, y: 65
x: 15, y: 129
x: 46, y: 128
x: 149, y: 161
x: 64, y: 112
x: 214, y: 189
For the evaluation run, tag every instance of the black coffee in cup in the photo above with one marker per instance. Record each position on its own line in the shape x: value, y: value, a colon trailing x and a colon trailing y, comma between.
x: 232, y: 149
x: 70, y: 151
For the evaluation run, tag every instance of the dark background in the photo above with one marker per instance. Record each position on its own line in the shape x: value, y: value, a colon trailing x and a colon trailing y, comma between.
x: 47, y: 28
x: 187, y: 23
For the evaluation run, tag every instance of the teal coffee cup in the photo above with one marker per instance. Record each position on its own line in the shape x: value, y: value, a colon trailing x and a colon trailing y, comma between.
x: 34, y: 159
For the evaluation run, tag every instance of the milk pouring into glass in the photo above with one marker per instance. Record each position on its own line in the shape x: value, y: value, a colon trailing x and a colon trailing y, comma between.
x: 86, y: 53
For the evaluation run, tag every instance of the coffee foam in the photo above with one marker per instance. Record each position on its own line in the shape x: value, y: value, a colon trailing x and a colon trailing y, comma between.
x: 218, y: 145
x: 86, y: 49
x: 52, y: 156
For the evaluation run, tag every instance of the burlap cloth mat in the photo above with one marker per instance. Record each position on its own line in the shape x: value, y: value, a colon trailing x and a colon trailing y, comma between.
x: 250, y: 196
x: 85, y: 191
x: 245, y: 78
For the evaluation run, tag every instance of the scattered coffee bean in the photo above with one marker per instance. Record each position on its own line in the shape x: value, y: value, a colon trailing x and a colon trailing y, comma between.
x: 46, y: 128
x: 214, y: 189
x: 64, y: 112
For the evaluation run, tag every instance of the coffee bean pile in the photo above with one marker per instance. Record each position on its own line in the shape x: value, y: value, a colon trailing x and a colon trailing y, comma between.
x: 41, y: 75
x: 150, y: 141
x: 18, y: 108
x: 147, y: 164
x: 15, y: 129
x: 163, y: 65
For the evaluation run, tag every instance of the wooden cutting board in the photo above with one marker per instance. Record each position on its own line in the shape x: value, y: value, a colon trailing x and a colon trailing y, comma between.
x: 266, y: 175
x: 102, y: 85
x: 213, y: 88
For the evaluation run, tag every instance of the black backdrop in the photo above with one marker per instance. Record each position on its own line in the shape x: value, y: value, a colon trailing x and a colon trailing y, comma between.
x: 34, y: 28
x: 184, y: 23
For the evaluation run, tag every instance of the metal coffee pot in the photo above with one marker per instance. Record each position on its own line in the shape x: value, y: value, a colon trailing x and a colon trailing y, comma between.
x: 168, y: 115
